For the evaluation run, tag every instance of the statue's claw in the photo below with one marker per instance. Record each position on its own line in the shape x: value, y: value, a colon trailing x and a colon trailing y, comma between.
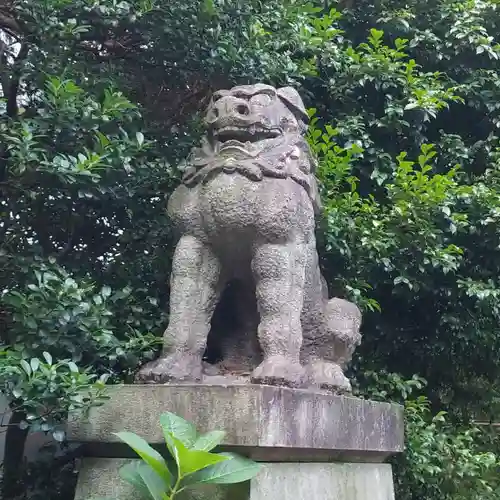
x: 178, y: 367
x: 279, y: 370
x: 329, y: 376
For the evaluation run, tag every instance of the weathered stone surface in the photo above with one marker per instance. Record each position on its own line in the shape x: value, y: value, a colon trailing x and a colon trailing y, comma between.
x: 264, y: 422
x: 291, y: 481
x: 312, y: 481
x: 245, y: 213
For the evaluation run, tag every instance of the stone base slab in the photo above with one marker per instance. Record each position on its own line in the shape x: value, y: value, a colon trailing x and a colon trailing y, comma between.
x: 314, y: 446
x: 277, y: 481
x: 269, y: 424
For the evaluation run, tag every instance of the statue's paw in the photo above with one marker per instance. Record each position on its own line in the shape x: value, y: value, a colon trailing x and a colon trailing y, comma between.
x: 279, y: 370
x: 330, y: 376
x: 211, y: 370
x: 177, y: 367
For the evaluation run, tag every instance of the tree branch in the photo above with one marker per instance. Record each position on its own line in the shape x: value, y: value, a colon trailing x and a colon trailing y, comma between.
x: 4, y: 77
x: 15, y: 442
x: 12, y: 108
x: 9, y: 24
x: 113, y: 50
x: 68, y: 246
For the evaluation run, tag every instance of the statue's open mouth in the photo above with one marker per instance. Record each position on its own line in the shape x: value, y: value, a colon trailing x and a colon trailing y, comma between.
x: 252, y: 133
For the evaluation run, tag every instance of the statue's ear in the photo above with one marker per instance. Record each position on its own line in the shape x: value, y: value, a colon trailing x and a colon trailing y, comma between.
x: 293, y: 101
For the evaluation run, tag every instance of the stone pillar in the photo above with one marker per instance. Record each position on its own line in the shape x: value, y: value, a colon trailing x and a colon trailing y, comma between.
x: 314, y: 446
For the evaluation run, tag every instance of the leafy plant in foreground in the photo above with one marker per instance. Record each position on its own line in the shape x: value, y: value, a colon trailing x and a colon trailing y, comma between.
x: 193, y: 462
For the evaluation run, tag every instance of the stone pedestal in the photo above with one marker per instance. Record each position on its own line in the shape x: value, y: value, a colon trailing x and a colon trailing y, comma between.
x: 315, y: 446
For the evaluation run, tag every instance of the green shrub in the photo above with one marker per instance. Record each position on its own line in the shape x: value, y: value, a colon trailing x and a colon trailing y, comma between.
x: 443, y: 458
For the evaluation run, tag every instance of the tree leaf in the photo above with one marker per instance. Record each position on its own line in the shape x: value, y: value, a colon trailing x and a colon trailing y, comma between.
x: 193, y: 460
x: 173, y: 446
x: 181, y: 429
x: 209, y: 441
x: 155, y: 484
x: 130, y: 473
x: 147, y: 453
x: 26, y: 367
x: 72, y: 367
x: 59, y: 436
x: 189, y: 461
x: 34, y: 363
x: 233, y: 470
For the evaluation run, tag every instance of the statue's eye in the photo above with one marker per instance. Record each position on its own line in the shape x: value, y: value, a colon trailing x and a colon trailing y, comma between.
x: 261, y: 100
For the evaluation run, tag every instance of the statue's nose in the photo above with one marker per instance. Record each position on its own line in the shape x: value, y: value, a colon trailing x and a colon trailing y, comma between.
x: 232, y: 106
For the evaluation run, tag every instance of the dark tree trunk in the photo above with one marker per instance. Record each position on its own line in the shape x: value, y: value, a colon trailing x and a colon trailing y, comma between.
x: 15, y: 440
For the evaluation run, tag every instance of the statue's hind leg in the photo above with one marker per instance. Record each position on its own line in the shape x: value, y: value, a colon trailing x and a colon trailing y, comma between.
x: 193, y: 296
x: 278, y: 271
x: 328, y: 349
x: 330, y: 332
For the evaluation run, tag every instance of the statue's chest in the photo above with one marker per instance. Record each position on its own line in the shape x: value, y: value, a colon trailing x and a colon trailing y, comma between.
x: 232, y: 197
x: 274, y: 207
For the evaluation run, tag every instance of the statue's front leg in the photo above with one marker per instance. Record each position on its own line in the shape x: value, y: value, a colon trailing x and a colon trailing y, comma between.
x: 279, y: 271
x: 193, y: 296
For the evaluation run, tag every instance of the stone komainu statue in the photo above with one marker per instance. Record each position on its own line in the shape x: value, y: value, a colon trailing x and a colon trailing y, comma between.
x: 245, y: 272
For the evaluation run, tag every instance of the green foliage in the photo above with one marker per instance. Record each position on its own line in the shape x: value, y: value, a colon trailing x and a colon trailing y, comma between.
x: 83, y: 314
x: 66, y: 181
x: 45, y: 391
x: 407, y: 244
x: 441, y: 460
x: 58, y: 325
x: 194, y: 463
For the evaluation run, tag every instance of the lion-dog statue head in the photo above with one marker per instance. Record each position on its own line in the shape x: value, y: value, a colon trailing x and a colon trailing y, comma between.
x: 259, y: 131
